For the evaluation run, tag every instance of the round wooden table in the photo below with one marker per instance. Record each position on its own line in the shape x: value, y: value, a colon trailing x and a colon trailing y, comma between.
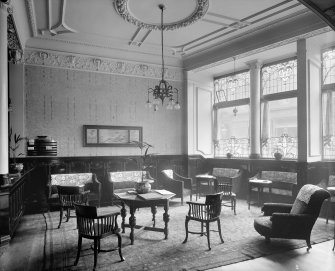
x: 260, y: 185
x: 208, y: 180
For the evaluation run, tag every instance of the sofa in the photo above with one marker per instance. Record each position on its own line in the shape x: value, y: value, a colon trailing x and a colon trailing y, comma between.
x: 283, y: 183
x: 179, y: 185
x: 88, y: 180
x: 123, y: 181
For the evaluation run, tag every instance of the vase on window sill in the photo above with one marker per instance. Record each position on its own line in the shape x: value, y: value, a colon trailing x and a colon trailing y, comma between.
x: 278, y: 155
x: 229, y: 155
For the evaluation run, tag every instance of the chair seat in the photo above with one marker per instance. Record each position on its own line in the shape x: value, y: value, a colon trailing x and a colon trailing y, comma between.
x: 263, y: 225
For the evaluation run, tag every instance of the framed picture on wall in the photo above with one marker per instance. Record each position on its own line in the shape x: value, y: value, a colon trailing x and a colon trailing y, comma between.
x: 111, y: 136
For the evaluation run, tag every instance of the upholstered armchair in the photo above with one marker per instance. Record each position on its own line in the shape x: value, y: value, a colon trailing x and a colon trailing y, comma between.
x: 171, y: 181
x: 88, y: 180
x: 292, y: 221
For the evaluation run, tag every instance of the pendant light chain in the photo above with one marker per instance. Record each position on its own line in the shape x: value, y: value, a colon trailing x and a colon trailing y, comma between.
x: 162, y: 39
x: 163, y: 90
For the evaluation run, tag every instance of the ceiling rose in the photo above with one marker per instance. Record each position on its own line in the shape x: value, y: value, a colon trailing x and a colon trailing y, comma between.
x: 190, y: 12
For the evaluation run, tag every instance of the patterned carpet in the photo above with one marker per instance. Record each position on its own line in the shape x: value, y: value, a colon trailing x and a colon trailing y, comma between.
x: 57, y: 247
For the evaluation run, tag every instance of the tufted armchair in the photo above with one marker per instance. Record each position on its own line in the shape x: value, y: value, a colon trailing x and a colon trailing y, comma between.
x: 292, y: 221
x: 87, y: 180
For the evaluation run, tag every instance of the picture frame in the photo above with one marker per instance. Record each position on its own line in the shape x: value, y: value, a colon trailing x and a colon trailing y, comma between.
x: 111, y: 136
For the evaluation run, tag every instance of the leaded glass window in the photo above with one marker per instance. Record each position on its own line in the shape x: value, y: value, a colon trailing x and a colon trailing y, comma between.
x: 279, y: 109
x: 232, y: 113
x: 328, y: 103
x: 279, y: 77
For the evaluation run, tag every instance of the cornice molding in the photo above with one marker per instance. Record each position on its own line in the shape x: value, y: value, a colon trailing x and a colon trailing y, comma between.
x: 121, y: 7
x: 265, y: 48
x: 98, y: 64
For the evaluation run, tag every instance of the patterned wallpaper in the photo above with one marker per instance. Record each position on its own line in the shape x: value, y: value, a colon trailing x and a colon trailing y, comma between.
x: 60, y: 101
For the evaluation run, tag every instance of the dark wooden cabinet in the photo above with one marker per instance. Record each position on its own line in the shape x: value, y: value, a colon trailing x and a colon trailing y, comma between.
x: 13, y: 198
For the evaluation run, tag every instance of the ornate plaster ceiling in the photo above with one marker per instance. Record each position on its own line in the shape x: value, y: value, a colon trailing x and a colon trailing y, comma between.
x: 199, y: 26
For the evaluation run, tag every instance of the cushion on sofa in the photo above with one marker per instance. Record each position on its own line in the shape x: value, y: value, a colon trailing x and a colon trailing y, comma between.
x: 126, y: 176
x: 225, y: 172
x: 279, y: 176
x: 75, y: 179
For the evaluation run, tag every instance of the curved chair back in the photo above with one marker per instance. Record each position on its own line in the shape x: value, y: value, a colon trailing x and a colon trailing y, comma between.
x: 214, y: 200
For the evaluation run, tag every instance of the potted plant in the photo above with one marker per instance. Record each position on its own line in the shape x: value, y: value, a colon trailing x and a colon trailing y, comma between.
x: 14, y: 144
x: 229, y: 155
x: 144, y: 163
x: 278, y: 155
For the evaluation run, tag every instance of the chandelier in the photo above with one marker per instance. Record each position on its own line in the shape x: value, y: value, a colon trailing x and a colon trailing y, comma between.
x: 163, y: 90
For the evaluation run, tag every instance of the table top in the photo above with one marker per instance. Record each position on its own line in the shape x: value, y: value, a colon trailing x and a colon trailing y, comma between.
x: 131, y: 196
x: 205, y: 176
x: 258, y: 181
x: 102, y: 211
x: 71, y: 185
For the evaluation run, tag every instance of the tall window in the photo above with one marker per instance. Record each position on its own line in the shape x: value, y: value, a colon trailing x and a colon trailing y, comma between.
x: 279, y: 109
x: 328, y: 103
x: 231, y: 115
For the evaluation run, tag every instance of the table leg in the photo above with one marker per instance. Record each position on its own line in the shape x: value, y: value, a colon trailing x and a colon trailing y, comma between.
x: 154, y: 211
x: 166, y: 218
x: 132, y: 223
x: 196, y: 196
x: 249, y: 195
x: 123, y: 215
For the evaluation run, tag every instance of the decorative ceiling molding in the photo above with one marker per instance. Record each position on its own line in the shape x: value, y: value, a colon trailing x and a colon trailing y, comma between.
x: 95, y: 64
x: 31, y: 16
x: 62, y: 27
x: 239, y: 24
x: 265, y: 48
x: 121, y: 7
x: 48, y: 29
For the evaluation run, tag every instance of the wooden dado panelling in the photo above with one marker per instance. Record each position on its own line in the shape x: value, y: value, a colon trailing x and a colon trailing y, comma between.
x: 99, y: 165
x: 308, y: 173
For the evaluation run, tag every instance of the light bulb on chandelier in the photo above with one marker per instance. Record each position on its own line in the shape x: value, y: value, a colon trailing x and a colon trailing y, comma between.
x: 163, y: 89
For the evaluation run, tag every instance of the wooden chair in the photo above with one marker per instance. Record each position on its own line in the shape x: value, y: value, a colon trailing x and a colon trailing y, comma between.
x: 97, y: 223
x: 228, y: 197
x: 68, y: 196
x: 205, y: 213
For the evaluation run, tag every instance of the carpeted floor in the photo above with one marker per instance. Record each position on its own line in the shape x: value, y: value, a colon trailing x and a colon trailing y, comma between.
x: 55, y: 249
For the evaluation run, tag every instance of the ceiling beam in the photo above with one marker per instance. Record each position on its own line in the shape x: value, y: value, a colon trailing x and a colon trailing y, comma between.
x: 322, y: 13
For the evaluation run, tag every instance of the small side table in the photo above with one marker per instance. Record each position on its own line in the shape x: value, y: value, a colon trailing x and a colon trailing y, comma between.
x: 260, y: 185
x: 204, y: 178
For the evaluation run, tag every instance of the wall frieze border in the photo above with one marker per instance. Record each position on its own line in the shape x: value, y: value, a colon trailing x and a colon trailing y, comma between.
x: 98, y: 64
